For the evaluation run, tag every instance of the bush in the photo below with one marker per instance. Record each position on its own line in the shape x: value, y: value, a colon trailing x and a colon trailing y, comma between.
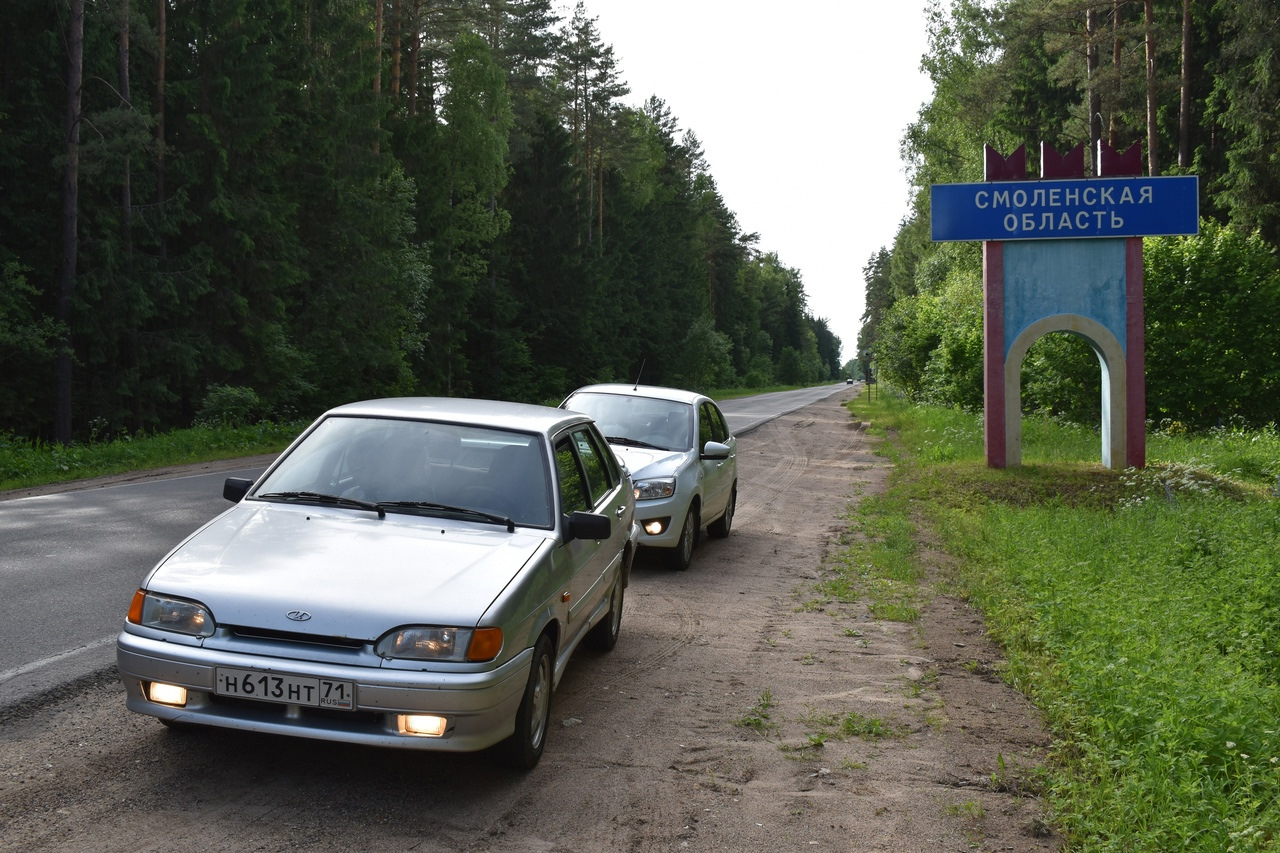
x: 229, y: 406
x: 1213, y: 319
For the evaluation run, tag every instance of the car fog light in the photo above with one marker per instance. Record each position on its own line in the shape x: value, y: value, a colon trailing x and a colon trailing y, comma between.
x: 655, y: 526
x: 167, y: 694
x: 424, y: 725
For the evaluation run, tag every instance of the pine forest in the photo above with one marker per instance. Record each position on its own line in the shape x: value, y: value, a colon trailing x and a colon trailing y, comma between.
x: 281, y: 205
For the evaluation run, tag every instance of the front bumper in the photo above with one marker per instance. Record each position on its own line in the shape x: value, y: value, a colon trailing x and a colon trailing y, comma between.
x: 673, y: 508
x: 479, y: 707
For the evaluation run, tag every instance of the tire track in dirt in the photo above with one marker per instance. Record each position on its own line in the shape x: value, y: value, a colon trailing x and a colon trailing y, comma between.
x: 776, y: 464
x: 770, y: 461
x: 644, y: 651
x: 678, y: 623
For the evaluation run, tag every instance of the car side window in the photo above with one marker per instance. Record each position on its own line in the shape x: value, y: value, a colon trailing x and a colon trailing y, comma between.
x: 588, y: 471
x: 705, y: 430
x: 610, y: 460
x: 599, y: 481
x: 711, y: 425
x: 573, y: 488
x: 720, y: 427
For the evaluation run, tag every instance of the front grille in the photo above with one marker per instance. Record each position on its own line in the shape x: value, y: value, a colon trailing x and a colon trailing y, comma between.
x: 245, y: 632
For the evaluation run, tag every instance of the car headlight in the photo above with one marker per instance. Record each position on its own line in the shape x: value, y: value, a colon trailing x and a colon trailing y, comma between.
x: 655, y: 487
x: 425, y: 642
x: 171, y: 614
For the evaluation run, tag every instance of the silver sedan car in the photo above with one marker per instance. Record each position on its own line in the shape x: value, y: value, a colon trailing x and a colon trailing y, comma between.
x: 682, y: 459
x: 410, y: 573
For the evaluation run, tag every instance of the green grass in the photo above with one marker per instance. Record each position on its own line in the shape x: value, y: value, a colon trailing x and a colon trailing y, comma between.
x: 760, y: 717
x: 25, y: 463
x: 1251, y: 456
x: 868, y: 728
x: 1139, y: 609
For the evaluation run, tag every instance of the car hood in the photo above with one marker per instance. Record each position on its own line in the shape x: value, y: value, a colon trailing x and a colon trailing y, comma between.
x: 355, y: 574
x: 650, y: 462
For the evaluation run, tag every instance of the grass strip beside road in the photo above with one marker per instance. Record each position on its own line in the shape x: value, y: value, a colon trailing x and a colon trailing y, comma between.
x: 25, y: 463
x: 1139, y: 609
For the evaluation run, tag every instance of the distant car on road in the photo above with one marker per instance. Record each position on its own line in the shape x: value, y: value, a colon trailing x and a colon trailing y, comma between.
x: 411, y: 573
x: 682, y: 458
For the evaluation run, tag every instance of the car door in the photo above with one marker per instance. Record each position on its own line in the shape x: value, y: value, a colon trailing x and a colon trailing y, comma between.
x: 717, y: 474
x: 590, y: 481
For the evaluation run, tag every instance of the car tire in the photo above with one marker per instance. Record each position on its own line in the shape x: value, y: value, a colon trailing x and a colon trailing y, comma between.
x: 604, y: 636
x: 533, y: 718
x: 679, y: 557
x: 721, y: 526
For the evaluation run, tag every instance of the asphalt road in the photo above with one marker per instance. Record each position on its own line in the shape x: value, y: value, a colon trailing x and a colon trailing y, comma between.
x: 746, y: 413
x: 70, y: 562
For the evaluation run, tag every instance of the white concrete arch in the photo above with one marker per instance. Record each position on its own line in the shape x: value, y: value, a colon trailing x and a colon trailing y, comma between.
x: 1111, y: 358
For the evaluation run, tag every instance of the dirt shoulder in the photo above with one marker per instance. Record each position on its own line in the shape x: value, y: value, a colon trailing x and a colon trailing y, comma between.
x: 734, y: 714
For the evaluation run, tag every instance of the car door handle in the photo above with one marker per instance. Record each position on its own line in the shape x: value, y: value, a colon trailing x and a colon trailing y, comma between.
x: 620, y: 511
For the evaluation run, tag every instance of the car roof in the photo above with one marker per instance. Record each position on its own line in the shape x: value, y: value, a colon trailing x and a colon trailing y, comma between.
x: 655, y: 392
x: 524, y: 417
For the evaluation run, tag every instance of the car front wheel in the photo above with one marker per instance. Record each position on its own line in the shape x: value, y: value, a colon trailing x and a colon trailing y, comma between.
x: 721, y: 526
x: 681, y: 555
x: 524, y: 748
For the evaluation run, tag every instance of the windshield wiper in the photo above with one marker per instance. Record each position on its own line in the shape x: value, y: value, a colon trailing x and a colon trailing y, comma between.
x: 631, y: 442
x: 322, y: 498
x: 462, y: 510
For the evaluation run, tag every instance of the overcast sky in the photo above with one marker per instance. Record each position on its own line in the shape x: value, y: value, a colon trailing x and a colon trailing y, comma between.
x: 800, y: 107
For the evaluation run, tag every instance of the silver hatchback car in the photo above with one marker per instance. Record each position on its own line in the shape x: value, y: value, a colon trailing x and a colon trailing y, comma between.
x: 410, y: 573
x: 681, y: 455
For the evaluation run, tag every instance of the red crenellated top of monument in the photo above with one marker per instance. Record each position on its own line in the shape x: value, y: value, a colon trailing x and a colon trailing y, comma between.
x: 1119, y: 164
x: 1055, y: 165
x: 1110, y: 162
x: 1001, y: 168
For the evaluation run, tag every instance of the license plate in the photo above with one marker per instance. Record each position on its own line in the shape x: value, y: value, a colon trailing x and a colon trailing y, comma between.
x: 287, y: 689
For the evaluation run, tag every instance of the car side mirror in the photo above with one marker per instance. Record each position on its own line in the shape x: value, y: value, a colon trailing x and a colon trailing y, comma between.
x: 587, y: 525
x: 715, y: 450
x: 235, y: 488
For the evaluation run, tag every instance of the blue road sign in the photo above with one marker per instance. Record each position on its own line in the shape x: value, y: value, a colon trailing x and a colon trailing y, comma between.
x: 1066, y: 209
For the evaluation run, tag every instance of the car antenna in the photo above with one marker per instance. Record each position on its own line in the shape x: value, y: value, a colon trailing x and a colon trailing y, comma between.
x: 641, y: 373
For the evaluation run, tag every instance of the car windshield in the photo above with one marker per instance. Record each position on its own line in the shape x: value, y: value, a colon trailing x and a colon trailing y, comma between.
x: 644, y: 421
x: 418, y: 466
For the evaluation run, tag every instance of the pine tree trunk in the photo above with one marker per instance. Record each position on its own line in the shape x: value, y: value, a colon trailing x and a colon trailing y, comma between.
x: 70, y: 211
x: 396, y: 28
x: 1117, y: 44
x: 161, y: 18
x: 133, y: 352
x: 1184, y: 105
x: 377, y: 77
x: 415, y: 48
x: 377, y: 46
x: 1091, y: 69
x: 122, y: 71
x: 1153, y: 154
